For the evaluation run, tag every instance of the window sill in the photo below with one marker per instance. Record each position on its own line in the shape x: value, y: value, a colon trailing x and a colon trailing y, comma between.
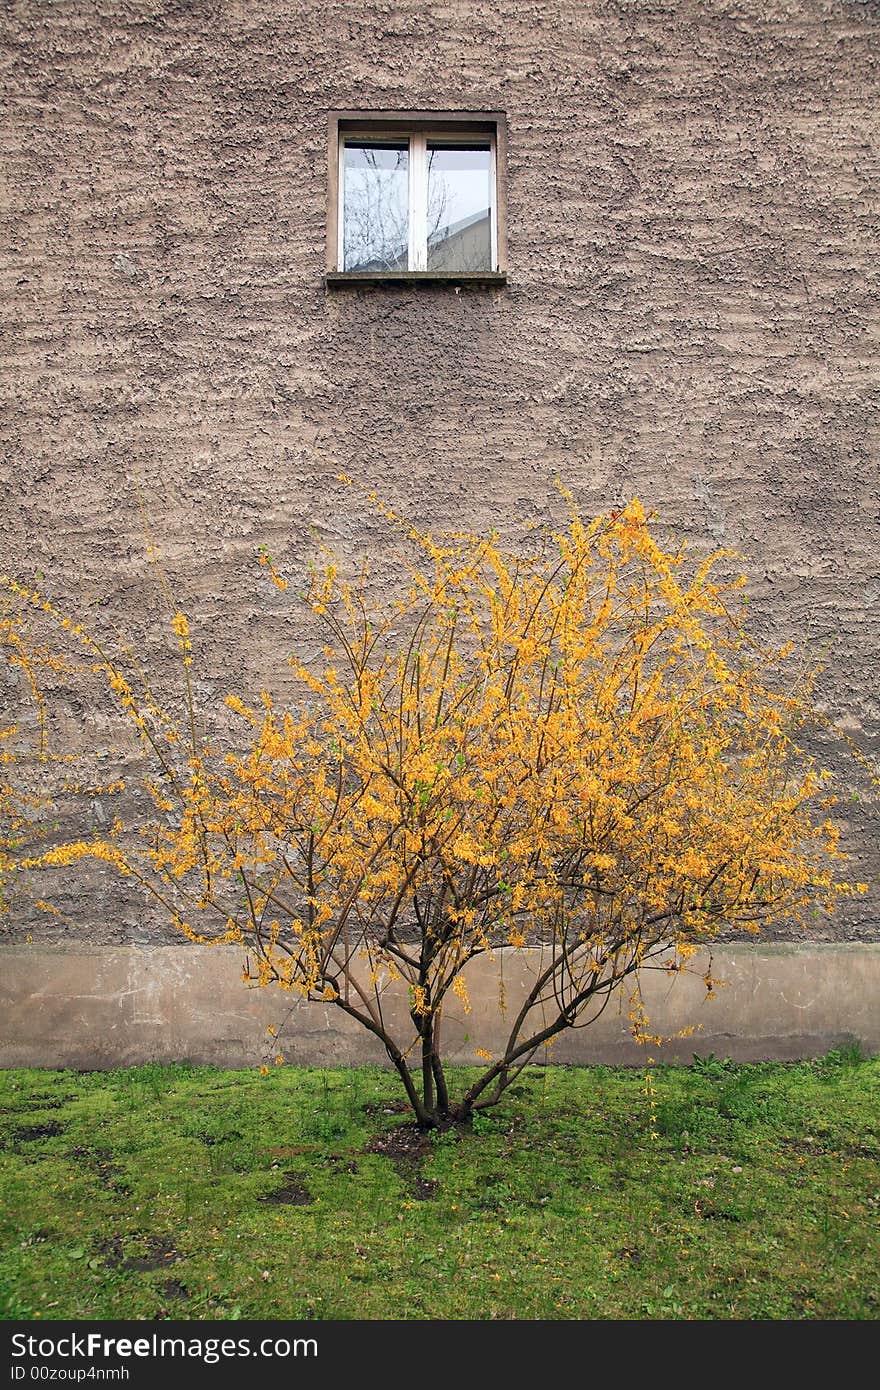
x: 342, y: 279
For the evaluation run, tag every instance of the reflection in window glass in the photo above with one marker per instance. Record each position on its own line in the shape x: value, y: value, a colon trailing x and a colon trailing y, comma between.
x: 459, y: 207
x: 376, y: 205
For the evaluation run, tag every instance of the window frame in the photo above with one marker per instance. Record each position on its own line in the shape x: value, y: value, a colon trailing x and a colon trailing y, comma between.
x: 417, y: 127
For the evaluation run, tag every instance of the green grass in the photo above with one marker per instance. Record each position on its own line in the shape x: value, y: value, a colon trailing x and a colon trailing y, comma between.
x: 134, y: 1194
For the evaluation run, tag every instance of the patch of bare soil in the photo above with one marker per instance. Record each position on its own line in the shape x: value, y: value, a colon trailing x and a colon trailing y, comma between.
x: 386, y: 1107
x: 402, y: 1144
x: 32, y: 1133
x: 407, y: 1146
x: 340, y: 1163
x: 158, y: 1254
x: 172, y: 1288
x: 292, y: 1193
x: 425, y: 1189
x: 102, y: 1162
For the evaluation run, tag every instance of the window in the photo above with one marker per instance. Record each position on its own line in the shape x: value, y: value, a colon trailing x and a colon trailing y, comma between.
x: 416, y: 196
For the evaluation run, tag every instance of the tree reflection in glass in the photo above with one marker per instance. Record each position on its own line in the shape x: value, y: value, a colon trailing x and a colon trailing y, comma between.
x: 376, y: 206
x: 459, y: 207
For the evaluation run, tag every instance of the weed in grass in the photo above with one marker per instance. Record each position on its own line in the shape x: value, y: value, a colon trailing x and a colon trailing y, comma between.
x: 848, y: 1054
x: 713, y: 1066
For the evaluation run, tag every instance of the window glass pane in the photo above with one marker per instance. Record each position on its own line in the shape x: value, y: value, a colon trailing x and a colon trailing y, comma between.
x: 459, y: 203
x: 376, y: 204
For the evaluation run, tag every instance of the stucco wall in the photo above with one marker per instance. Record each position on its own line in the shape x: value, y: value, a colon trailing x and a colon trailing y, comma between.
x: 691, y: 316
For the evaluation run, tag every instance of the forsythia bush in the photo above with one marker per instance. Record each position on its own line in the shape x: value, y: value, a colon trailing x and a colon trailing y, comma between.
x: 20, y: 808
x: 577, y: 750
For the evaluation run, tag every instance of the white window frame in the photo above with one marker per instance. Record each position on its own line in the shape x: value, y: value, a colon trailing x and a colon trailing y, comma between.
x: 417, y: 129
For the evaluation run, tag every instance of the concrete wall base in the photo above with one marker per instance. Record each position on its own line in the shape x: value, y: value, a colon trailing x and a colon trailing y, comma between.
x: 122, y: 1006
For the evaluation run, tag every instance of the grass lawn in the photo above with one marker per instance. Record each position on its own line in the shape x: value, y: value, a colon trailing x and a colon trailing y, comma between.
x: 194, y: 1193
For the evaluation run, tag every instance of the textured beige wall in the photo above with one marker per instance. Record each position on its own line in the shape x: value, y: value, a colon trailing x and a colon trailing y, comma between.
x: 127, y: 1005
x: 692, y: 315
